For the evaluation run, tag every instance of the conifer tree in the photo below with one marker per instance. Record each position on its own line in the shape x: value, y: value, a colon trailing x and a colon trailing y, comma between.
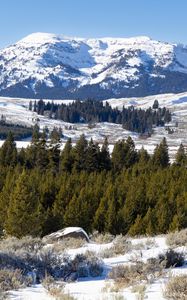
x: 66, y: 158
x: 24, y: 216
x: 160, y: 156
x: 104, y: 157
x: 181, y: 157
x: 79, y: 153
x: 92, y: 157
x: 8, y: 152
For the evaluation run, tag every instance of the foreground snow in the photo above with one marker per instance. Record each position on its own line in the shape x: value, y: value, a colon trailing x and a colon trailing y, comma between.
x: 95, y: 288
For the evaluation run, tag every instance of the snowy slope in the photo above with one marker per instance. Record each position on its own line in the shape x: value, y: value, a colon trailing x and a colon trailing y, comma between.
x: 54, y: 66
x: 95, y: 289
x: 16, y: 111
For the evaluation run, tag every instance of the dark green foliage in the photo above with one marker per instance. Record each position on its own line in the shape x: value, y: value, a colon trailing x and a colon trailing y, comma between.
x: 181, y: 157
x: 8, y: 152
x: 161, y: 157
x: 91, y: 111
x: 19, y: 131
x: 155, y: 104
x: 23, y: 214
x: 43, y: 189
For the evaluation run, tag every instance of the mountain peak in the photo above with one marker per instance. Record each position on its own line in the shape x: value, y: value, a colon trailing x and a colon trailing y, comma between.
x: 46, y: 65
x: 40, y: 38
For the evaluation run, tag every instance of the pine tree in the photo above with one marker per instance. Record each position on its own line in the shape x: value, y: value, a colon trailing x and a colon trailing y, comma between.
x: 79, y: 153
x: 24, y: 215
x: 160, y: 156
x: 92, y: 157
x: 181, y: 157
x: 8, y: 152
x: 66, y: 158
x: 104, y: 157
x: 138, y: 227
x: 155, y: 104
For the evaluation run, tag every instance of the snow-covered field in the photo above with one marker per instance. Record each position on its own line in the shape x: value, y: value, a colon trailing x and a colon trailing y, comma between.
x: 16, y: 111
x: 96, y: 288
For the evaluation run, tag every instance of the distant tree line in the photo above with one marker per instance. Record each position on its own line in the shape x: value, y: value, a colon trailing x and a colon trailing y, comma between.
x: 90, y: 111
x: 20, y: 131
x: 43, y: 189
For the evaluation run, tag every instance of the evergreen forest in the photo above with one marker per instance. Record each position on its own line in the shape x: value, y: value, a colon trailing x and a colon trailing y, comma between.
x: 43, y: 189
x: 91, y: 111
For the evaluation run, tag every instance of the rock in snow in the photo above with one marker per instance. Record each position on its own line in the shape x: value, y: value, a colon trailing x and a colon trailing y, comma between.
x: 51, y: 66
x: 73, y: 232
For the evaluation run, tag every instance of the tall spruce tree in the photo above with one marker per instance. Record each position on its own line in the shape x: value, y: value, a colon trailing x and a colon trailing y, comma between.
x: 8, y: 152
x: 66, y: 158
x: 24, y: 216
x: 161, y: 156
x: 181, y: 157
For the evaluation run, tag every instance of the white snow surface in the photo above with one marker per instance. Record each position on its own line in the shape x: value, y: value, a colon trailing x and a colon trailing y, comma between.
x: 92, y: 288
x: 42, y: 55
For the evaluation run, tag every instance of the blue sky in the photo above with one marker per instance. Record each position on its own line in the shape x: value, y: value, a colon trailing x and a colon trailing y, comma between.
x: 164, y: 20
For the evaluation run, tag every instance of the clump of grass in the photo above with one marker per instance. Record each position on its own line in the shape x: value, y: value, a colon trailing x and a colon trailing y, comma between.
x: 177, y: 239
x: 176, y: 288
x: 12, y: 280
x: 102, y: 238
x: 139, y: 290
x: 146, y: 245
x: 26, y: 244
x: 127, y: 275
x: 56, y: 289
x: 120, y: 246
x: 68, y: 243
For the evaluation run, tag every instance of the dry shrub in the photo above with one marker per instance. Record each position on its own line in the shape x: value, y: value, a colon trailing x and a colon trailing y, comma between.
x: 176, y: 288
x: 102, y: 238
x: 139, y: 290
x: 87, y: 264
x: 128, y: 275
x: 172, y: 258
x: 56, y: 289
x: 177, y: 239
x: 146, y: 245
x: 120, y: 246
x: 27, y: 243
x: 12, y: 280
x: 68, y: 243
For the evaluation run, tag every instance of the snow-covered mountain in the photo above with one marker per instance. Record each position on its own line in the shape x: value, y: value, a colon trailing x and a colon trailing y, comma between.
x: 52, y: 66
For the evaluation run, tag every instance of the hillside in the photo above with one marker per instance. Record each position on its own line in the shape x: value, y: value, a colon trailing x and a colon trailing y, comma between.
x: 56, y: 67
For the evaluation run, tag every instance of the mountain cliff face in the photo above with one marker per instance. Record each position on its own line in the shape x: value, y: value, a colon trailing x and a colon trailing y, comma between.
x: 51, y: 66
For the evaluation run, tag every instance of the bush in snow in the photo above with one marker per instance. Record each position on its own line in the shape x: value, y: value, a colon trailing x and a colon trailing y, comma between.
x: 127, y: 275
x: 27, y: 243
x: 84, y: 265
x: 55, y: 289
x: 12, y: 280
x: 102, y: 238
x: 134, y: 273
x: 171, y: 259
x: 34, y: 260
x: 176, y: 288
x: 68, y: 243
x: 120, y: 246
x: 177, y: 239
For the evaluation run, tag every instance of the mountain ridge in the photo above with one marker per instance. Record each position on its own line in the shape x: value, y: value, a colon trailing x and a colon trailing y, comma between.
x: 45, y: 65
